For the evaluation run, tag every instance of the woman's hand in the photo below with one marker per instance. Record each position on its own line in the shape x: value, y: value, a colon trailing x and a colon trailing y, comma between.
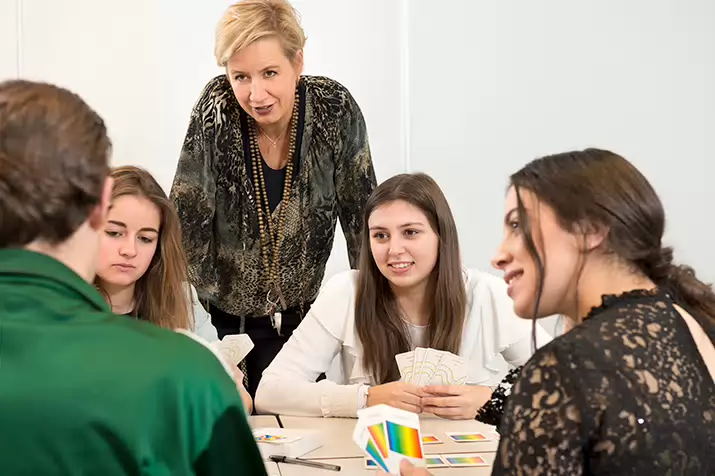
x: 455, y: 402
x: 396, y: 394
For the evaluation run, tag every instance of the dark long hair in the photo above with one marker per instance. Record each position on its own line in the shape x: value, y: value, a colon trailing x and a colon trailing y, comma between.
x: 603, y: 189
x: 377, y: 319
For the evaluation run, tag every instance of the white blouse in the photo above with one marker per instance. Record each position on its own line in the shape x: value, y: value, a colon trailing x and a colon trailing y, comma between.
x: 491, y: 331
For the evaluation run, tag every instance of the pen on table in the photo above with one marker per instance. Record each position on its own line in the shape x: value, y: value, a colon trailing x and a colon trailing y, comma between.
x: 304, y: 462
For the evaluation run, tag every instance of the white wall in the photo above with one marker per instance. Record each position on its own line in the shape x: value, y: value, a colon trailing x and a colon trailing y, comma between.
x: 494, y: 84
x: 467, y: 91
x: 8, y: 38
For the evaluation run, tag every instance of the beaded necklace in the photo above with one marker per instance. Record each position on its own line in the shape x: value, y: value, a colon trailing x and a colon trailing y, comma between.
x: 272, y: 233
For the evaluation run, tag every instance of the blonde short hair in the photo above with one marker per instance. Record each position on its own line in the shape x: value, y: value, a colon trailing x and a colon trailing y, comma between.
x: 250, y: 20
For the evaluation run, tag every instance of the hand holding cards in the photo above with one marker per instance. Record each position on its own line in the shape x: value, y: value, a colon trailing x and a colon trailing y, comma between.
x: 431, y: 367
x: 388, y: 435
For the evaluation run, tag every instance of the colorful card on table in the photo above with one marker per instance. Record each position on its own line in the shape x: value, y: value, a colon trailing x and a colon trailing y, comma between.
x: 435, y: 461
x: 273, y: 438
x: 389, y: 435
x: 467, y: 437
x: 430, y: 440
x: 370, y: 464
x: 465, y: 459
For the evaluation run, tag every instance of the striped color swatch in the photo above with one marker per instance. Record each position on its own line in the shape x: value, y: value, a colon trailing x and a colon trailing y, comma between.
x: 377, y: 432
x: 404, y: 440
x: 375, y: 455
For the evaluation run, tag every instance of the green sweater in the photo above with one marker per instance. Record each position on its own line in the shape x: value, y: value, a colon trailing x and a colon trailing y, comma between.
x: 83, y: 391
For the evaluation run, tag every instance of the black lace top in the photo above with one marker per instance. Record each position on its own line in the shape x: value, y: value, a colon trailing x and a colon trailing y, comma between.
x: 626, y: 392
x: 492, y: 411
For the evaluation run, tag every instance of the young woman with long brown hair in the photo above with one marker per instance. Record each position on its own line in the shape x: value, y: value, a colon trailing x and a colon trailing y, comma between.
x: 142, y: 269
x: 630, y: 388
x: 411, y: 291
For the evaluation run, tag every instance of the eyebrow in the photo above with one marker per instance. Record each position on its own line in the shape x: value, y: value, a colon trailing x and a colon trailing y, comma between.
x: 267, y: 68
x: 508, y: 215
x: 124, y: 225
x: 406, y: 225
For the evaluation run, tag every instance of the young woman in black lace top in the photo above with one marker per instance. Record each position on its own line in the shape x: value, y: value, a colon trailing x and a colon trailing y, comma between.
x: 629, y: 390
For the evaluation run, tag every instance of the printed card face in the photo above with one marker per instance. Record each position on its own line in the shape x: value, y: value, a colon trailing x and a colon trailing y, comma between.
x: 467, y: 437
x: 275, y: 439
x: 379, y: 437
x: 361, y: 436
x: 234, y: 347
x: 417, y: 364
x: 494, y: 436
x: 465, y: 459
x: 370, y: 464
x: 435, y: 461
x: 404, y: 440
x: 404, y: 365
x: 452, y: 370
x: 430, y: 440
x: 428, y: 366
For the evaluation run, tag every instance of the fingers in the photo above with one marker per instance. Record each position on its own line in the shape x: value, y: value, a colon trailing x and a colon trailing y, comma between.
x: 445, y: 389
x: 407, y: 406
x: 452, y: 413
x: 413, y: 389
x: 442, y: 401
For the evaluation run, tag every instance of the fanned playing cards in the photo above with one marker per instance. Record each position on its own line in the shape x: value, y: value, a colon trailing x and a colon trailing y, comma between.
x: 427, y: 366
x: 388, y: 435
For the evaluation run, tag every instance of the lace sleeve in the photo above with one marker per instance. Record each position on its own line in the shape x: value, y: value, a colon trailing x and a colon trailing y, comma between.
x: 493, y: 410
x: 541, y: 429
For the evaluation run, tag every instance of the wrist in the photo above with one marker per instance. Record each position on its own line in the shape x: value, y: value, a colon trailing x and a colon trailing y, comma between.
x: 363, y: 395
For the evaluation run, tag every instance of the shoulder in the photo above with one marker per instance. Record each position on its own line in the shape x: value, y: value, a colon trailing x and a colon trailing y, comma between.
x: 340, y: 287
x: 215, y: 95
x: 173, y: 358
x: 330, y: 98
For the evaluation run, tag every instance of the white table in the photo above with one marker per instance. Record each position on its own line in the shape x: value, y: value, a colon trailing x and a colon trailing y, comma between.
x: 338, y: 442
x: 262, y: 421
x: 356, y: 467
x: 272, y: 468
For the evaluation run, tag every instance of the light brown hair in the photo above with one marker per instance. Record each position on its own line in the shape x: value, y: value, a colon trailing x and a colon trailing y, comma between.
x: 603, y: 189
x: 378, y: 323
x: 250, y: 20
x: 161, y: 294
x: 54, y: 153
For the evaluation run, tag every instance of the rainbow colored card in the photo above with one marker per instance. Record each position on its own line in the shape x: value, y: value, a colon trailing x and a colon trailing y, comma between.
x: 467, y: 437
x: 393, y: 435
x: 404, y: 440
x: 465, y: 459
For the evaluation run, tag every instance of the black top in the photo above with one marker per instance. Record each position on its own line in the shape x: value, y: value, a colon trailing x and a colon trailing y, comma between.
x: 626, y: 392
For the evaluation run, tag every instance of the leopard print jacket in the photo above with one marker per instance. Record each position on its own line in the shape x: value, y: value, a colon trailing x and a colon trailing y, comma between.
x: 214, y: 196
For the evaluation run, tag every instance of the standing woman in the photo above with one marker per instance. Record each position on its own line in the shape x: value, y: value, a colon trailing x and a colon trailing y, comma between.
x: 271, y: 160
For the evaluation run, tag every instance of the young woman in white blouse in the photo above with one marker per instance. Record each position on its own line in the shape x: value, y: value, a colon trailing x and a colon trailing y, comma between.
x: 411, y: 292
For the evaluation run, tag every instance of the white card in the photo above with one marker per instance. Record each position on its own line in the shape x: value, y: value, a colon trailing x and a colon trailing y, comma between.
x: 430, y: 364
x: 404, y: 365
x: 452, y: 370
x: 234, y: 347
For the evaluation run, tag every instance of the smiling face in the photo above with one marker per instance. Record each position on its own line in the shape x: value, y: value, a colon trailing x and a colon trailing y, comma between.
x: 263, y: 80
x: 403, y: 244
x: 558, y: 249
x: 130, y: 240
